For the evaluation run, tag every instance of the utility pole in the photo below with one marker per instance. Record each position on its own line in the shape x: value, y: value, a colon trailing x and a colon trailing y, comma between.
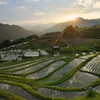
x: 94, y: 38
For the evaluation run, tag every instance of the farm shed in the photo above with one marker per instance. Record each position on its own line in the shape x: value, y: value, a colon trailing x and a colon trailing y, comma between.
x: 55, y: 48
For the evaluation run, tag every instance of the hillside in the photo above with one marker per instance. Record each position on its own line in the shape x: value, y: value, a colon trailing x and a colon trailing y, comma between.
x: 12, y: 32
x: 78, y: 21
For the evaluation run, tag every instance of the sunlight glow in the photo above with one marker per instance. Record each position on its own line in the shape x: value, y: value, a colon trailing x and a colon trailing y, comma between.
x: 72, y: 17
x: 69, y: 17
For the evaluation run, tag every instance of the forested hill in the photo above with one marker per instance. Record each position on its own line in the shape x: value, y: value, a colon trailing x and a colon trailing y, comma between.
x: 12, y: 32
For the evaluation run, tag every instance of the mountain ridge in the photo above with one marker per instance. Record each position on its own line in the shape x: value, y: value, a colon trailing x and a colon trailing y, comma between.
x: 80, y: 22
x: 12, y: 32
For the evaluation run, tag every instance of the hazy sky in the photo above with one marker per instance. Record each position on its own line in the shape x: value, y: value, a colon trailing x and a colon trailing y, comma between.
x: 28, y: 12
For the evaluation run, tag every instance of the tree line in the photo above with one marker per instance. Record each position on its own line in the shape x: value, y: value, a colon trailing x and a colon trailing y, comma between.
x: 7, y: 42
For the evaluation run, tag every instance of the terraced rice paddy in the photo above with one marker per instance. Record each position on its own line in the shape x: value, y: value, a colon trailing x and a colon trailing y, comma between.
x: 18, y: 91
x: 80, y: 79
x: 93, y: 65
x: 62, y: 94
x: 50, y: 77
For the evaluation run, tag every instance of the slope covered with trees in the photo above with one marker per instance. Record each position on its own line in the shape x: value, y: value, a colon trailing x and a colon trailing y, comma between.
x: 12, y: 32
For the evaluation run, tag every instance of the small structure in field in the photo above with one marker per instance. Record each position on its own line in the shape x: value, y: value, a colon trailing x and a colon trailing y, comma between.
x: 31, y: 54
x: 83, y: 53
x: 77, y: 54
x: 2, y: 55
x: 44, y: 53
x: 10, y: 57
x: 55, y: 48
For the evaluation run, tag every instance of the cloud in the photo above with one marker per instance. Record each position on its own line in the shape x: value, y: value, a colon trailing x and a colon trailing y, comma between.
x: 88, y: 5
x: 85, y: 2
x: 38, y: 13
x: 63, y: 9
x: 2, y: 2
x: 96, y: 5
x: 21, y: 8
x: 36, y: 0
x: 31, y: 0
x: 48, y: 0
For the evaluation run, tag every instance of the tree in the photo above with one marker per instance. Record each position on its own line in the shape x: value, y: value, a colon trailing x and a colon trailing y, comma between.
x: 34, y: 36
x: 76, y: 27
x: 70, y: 32
x: 5, y: 43
x: 69, y: 29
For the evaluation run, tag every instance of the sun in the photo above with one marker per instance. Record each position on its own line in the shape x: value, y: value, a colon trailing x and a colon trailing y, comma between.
x: 68, y: 17
x: 72, y: 17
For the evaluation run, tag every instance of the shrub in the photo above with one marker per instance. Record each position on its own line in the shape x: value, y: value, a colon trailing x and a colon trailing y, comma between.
x: 90, y: 92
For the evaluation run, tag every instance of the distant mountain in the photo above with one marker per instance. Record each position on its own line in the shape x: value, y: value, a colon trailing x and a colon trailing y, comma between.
x: 40, y: 27
x: 12, y: 32
x: 80, y: 22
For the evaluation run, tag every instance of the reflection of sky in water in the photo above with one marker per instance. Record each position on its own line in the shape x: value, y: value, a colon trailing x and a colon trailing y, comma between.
x: 86, y: 56
x: 17, y: 90
x: 80, y: 79
x: 43, y: 72
x: 34, y: 67
x: 63, y: 71
x: 97, y: 88
x: 4, y: 86
x: 57, y: 93
x: 93, y: 65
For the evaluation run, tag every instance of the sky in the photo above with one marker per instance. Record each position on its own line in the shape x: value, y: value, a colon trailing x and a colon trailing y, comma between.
x: 32, y: 12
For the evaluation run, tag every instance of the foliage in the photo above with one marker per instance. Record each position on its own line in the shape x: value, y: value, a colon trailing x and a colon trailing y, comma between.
x: 76, y: 49
x: 21, y: 40
x: 90, y: 92
x: 69, y: 29
x: 70, y: 32
x: 5, y: 43
x: 76, y: 27
x: 91, y: 33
